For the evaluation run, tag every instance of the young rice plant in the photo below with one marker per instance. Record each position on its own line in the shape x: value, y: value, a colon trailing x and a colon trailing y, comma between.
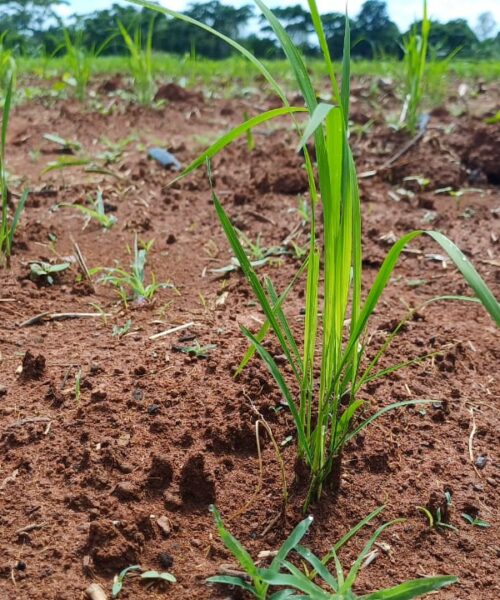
x: 8, y: 224
x: 415, y: 57
x: 327, y: 410
x: 141, y: 61
x: 297, y: 583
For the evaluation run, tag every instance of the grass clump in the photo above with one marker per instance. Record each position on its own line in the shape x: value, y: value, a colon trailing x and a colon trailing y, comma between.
x: 131, y: 285
x: 141, y: 61
x: 8, y: 223
x: 297, y: 583
x: 415, y: 46
x: 80, y: 60
x: 327, y: 411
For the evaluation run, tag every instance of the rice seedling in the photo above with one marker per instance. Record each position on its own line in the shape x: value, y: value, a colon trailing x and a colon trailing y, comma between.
x: 415, y: 47
x: 131, y: 285
x: 79, y: 61
x: 295, y: 583
x: 326, y: 411
x: 96, y: 211
x: 8, y: 224
x: 141, y: 61
x: 146, y: 576
x: 438, y: 517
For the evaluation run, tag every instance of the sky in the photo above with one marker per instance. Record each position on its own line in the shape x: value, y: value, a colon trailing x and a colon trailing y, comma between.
x: 403, y: 12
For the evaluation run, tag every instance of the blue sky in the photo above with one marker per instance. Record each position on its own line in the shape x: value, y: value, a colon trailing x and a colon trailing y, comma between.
x: 402, y: 12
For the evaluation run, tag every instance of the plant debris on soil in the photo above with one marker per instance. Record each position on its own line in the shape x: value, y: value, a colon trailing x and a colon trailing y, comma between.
x: 122, y: 472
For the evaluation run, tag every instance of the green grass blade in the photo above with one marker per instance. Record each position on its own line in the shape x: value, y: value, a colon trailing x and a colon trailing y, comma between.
x: 266, y: 326
x: 275, y: 372
x: 318, y: 567
x: 412, y: 589
x: 233, y: 545
x: 17, y: 215
x: 317, y: 119
x: 252, y: 278
x: 243, y: 51
x: 235, y: 133
x: 291, y: 542
x: 353, y: 573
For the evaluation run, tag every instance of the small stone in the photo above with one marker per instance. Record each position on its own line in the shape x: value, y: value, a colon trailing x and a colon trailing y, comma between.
x: 165, y: 560
x: 478, y: 487
x: 3, y: 391
x: 481, y: 461
x: 98, y: 395
x: 21, y: 565
x: 196, y: 543
x: 164, y: 524
x: 153, y: 409
x: 125, y: 491
x: 171, y: 239
x: 171, y: 501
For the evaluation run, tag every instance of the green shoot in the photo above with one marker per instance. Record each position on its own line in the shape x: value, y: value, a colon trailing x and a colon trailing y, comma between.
x: 8, y: 224
x: 415, y: 57
x: 197, y: 350
x: 123, y: 330
x: 78, y: 384
x: 68, y: 146
x: 96, y: 212
x: 438, y: 517
x: 476, y: 521
x: 131, y: 285
x: 45, y: 272
x: 295, y: 583
x: 146, y: 576
x: 326, y: 411
x: 141, y: 61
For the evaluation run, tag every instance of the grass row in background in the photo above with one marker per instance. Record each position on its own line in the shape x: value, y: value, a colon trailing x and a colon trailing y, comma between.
x: 203, y: 71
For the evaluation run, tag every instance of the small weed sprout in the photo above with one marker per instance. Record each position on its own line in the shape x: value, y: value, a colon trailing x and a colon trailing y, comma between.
x: 96, y: 212
x: 123, y: 330
x: 131, y: 285
x: 296, y: 583
x: 45, y: 272
x: 146, y: 576
x: 197, y: 350
x: 476, y: 521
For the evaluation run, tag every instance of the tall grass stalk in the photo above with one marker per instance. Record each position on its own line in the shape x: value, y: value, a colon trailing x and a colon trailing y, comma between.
x: 141, y: 61
x: 415, y: 47
x: 8, y: 224
x: 327, y: 412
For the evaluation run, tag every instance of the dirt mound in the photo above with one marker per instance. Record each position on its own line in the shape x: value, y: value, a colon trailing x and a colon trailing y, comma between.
x: 175, y: 93
x: 197, y: 486
x: 33, y: 366
x: 483, y: 152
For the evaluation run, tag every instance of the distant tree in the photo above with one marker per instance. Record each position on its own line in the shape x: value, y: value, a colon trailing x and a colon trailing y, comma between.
x: 27, y: 16
x: 374, y: 32
x: 447, y: 37
x: 334, y: 25
x: 297, y: 22
x: 486, y: 26
x: 224, y: 18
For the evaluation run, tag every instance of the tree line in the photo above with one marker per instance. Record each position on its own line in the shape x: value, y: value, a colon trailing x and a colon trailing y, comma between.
x: 33, y: 26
